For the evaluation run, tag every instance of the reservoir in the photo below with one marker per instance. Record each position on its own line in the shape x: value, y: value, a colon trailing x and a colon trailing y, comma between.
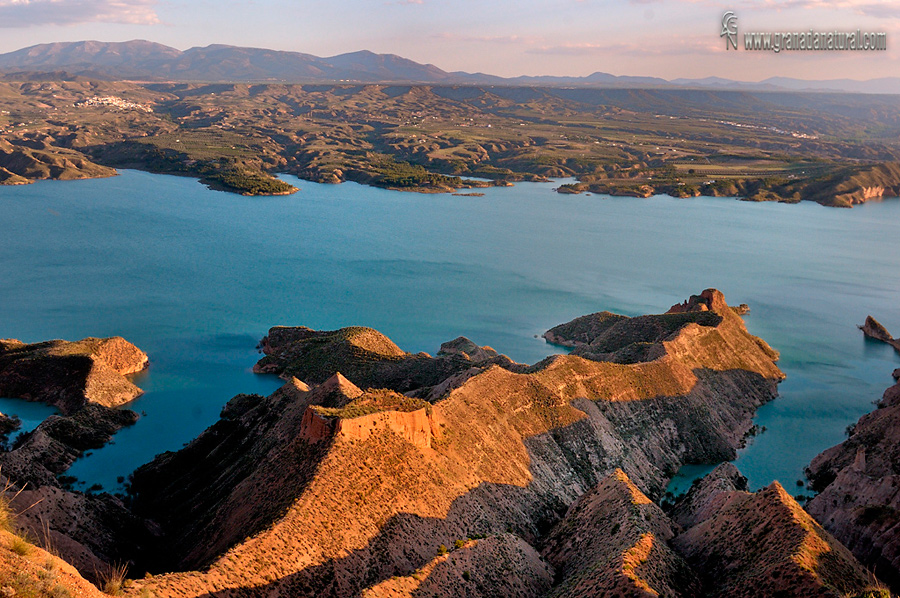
x: 196, y: 277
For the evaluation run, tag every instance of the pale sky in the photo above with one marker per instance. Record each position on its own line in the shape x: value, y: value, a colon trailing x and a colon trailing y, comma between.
x: 661, y: 38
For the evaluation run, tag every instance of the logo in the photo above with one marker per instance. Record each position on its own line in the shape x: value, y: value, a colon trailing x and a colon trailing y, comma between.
x: 729, y: 29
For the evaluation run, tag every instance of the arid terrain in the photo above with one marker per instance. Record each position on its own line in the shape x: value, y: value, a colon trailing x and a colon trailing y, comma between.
x: 379, y: 473
x: 835, y: 149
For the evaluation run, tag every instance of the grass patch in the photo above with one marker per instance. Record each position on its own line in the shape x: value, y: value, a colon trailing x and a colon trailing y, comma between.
x: 111, y: 578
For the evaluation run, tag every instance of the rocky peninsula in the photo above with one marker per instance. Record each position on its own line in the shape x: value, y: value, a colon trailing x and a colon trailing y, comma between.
x: 85, y: 380
x: 369, y: 459
x: 69, y: 375
x: 379, y: 473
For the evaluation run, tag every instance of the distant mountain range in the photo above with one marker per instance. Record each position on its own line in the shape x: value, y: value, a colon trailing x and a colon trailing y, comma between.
x: 149, y: 61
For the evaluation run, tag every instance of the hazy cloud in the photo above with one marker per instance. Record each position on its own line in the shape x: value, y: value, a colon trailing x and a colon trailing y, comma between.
x: 490, y: 39
x: 27, y: 13
x: 626, y: 49
x: 888, y: 9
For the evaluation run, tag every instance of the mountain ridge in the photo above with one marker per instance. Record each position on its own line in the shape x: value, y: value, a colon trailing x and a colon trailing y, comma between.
x: 143, y: 59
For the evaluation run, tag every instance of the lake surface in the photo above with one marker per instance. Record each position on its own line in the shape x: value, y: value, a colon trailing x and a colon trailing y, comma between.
x: 196, y: 277
x: 29, y: 414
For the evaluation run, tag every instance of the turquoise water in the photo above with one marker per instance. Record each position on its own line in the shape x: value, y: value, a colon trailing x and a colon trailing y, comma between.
x: 195, y: 278
x: 30, y: 414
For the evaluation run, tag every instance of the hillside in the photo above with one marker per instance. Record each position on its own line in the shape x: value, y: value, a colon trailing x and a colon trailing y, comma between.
x: 857, y: 481
x: 831, y: 148
x: 332, y: 489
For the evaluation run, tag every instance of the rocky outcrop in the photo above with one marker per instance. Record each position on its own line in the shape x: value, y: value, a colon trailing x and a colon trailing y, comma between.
x: 368, y: 358
x: 274, y: 496
x: 8, y: 425
x: 501, y: 565
x: 88, y: 531
x: 875, y: 330
x: 708, y: 495
x: 69, y: 375
x: 614, y: 542
x: 708, y: 300
x: 859, y: 489
x: 21, y: 164
x: 84, y: 380
x: 583, y: 330
x: 763, y: 544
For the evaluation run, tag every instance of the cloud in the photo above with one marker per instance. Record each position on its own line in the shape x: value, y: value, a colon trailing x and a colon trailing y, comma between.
x: 27, y: 13
x: 863, y: 7
x: 490, y: 39
x: 875, y: 8
x: 685, y: 47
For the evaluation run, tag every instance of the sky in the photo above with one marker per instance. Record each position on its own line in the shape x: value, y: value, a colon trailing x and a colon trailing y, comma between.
x: 660, y: 38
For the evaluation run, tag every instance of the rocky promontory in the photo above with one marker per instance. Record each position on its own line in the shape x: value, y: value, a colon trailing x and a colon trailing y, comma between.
x: 377, y: 473
x: 875, y: 330
x: 69, y: 375
x: 85, y: 380
x: 369, y: 459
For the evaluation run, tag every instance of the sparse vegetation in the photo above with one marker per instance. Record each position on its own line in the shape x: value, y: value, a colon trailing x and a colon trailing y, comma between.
x: 626, y: 142
x: 112, y: 578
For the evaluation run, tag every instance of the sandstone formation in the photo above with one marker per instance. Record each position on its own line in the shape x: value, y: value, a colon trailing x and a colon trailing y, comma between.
x: 368, y: 358
x: 708, y: 495
x: 501, y: 565
x: 874, y: 329
x: 28, y: 570
x: 84, y: 380
x: 333, y: 488
x: 69, y: 375
x: 614, y: 542
x: 763, y: 544
x: 859, y: 489
x: 583, y: 330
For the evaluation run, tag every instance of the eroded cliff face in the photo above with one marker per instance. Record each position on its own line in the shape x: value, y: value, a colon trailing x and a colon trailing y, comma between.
x: 334, y: 489
x: 614, y: 541
x: 859, y: 484
x: 69, y: 375
x: 85, y: 380
x: 501, y: 565
x: 762, y: 544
